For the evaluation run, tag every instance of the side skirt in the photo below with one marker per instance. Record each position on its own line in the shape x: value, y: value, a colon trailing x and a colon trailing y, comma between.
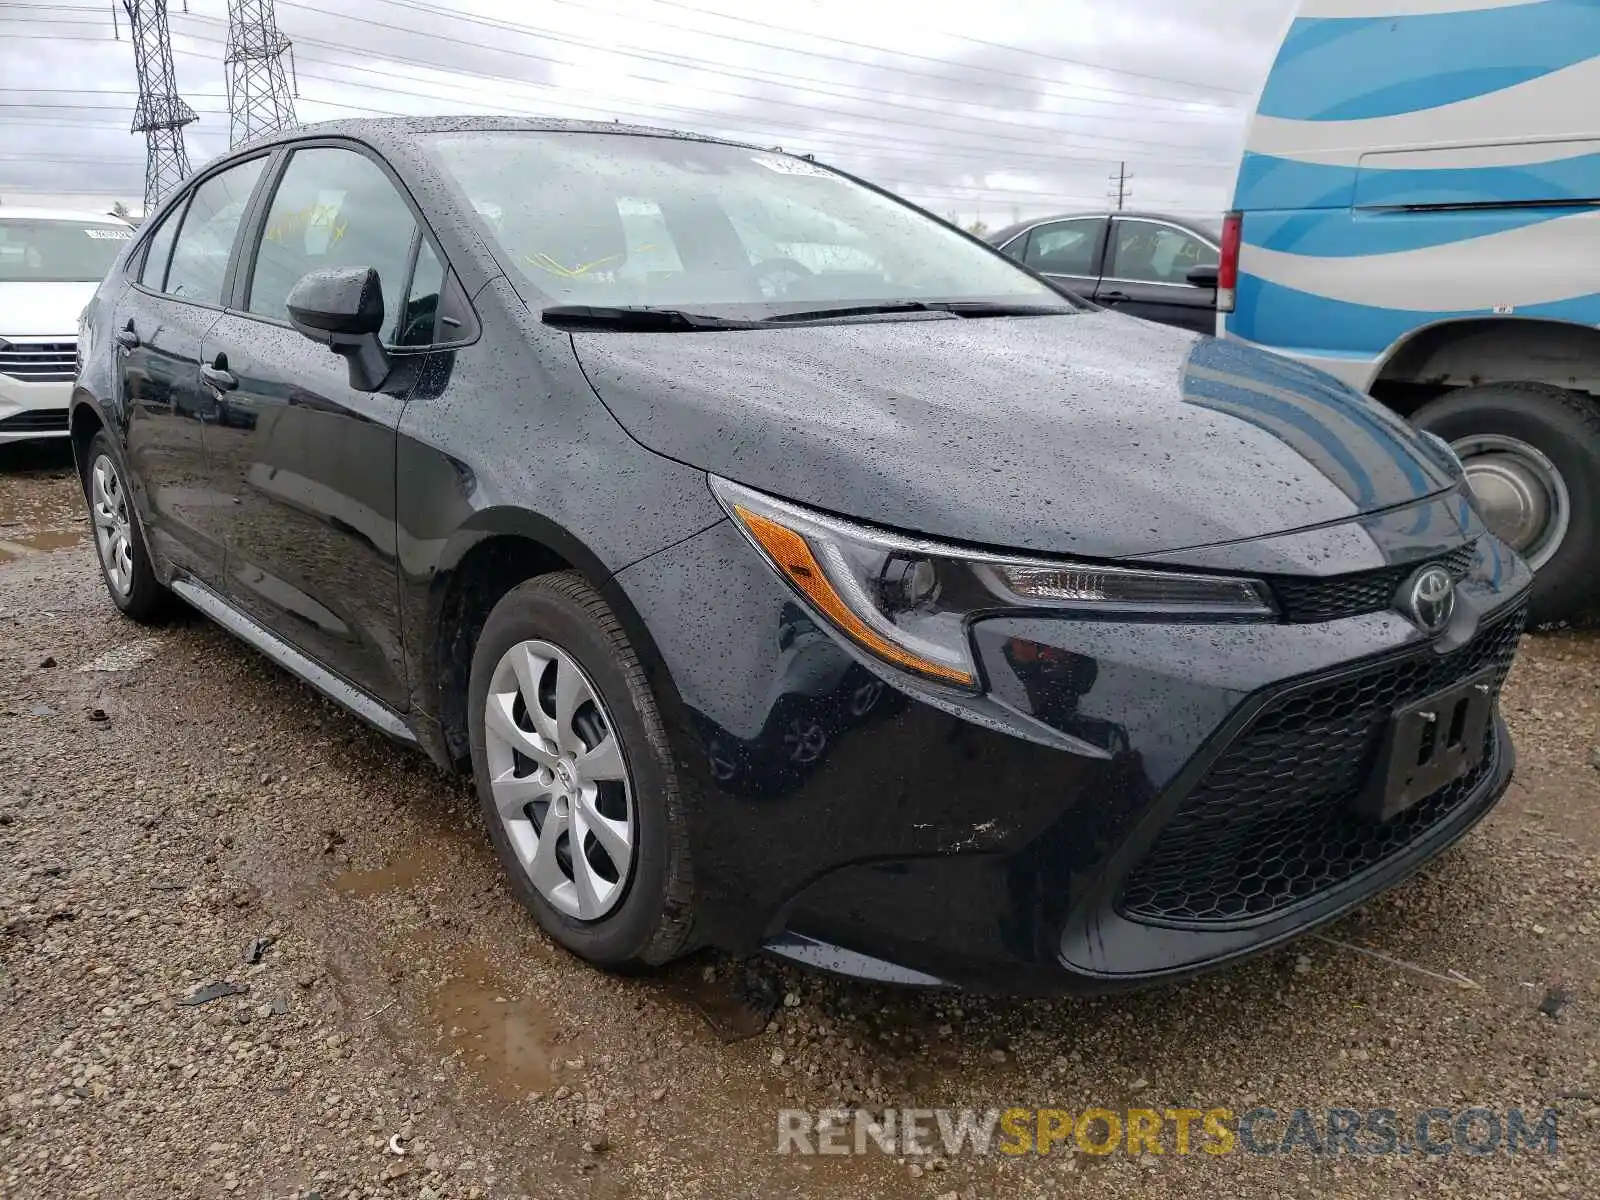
x: 380, y: 716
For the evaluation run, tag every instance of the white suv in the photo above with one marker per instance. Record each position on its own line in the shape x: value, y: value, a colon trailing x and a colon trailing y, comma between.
x: 51, y: 261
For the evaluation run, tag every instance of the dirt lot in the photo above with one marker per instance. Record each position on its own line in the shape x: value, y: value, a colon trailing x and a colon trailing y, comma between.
x: 173, y: 807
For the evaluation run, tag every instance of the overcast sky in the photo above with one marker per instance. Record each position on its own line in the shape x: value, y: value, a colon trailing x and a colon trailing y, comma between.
x: 994, y: 111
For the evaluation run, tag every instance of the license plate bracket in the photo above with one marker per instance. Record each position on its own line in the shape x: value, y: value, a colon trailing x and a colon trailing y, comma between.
x: 1431, y: 743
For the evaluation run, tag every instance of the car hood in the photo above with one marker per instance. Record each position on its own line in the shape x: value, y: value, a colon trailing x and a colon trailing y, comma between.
x: 43, y: 309
x: 1089, y: 433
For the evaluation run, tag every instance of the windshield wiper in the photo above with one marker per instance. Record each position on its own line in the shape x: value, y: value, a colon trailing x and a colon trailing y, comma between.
x: 643, y: 319
x: 589, y: 316
x: 1001, y: 308
x: 960, y: 308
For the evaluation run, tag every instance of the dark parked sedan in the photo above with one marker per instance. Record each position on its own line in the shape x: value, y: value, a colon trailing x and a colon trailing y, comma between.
x: 1148, y: 265
x: 789, y: 568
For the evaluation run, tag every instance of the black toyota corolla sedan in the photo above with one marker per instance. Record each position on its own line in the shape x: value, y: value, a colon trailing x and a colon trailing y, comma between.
x: 790, y: 569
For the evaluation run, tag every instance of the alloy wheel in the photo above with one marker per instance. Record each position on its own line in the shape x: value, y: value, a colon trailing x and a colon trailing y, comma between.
x: 113, y: 534
x: 560, y: 783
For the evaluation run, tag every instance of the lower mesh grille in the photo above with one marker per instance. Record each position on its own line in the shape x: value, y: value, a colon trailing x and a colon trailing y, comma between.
x: 1273, y: 821
x: 36, y: 421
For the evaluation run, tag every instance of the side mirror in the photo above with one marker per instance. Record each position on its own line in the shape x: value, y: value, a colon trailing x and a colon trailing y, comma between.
x: 343, y: 310
x: 1203, y: 277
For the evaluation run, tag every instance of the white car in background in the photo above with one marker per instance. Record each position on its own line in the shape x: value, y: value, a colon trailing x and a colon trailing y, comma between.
x: 51, y: 261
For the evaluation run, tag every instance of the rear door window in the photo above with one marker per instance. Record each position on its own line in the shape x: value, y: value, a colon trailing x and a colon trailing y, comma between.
x: 1145, y: 252
x: 205, y: 239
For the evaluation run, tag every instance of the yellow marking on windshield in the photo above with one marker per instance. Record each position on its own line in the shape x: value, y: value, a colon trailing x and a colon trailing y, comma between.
x: 545, y: 263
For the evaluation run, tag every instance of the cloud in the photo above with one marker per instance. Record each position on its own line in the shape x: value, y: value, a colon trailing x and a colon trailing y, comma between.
x: 1015, y: 108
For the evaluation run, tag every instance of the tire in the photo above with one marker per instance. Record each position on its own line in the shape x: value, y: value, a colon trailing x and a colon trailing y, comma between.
x: 132, y: 585
x: 1564, y: 427
x: 559, y: 622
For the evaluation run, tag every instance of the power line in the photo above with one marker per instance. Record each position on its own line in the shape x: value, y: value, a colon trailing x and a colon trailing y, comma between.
x: 610, y: 47
x: 787, y: 32
x: 990, y: 152
x: 689, y: 63
x: 884, y: 153
x: 1037, y: 131
x: 749, y: 128
x: 1078, y: 62
x: 795, y: 82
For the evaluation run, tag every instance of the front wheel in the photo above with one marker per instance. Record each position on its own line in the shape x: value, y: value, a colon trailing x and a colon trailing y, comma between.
x: 1532, y: 456
x: 575, y: 778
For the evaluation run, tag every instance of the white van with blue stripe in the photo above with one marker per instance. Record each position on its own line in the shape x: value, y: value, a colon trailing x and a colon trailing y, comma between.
x: 1418, y: 213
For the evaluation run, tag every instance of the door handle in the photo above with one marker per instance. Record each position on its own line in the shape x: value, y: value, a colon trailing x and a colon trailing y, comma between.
x: 218, y: 378
x: 127, y: 338
x: 1114, y: 297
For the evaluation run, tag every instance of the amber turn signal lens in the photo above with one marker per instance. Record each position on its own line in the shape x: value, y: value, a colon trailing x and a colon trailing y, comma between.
x: 794, y: 558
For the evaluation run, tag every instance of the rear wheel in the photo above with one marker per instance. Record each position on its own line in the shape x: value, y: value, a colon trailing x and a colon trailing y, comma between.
x: 1532, y: 456
x: 575, y: 779
x: 118, y: 538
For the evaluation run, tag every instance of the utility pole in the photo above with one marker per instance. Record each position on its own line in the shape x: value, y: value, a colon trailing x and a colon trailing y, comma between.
x: 1119, y: 185
x: 160, y: 113
x: 259, y: 97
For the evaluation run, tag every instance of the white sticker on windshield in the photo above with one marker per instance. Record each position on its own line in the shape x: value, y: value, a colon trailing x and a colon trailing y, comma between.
x: 104, y: 235
x: 790, y: 166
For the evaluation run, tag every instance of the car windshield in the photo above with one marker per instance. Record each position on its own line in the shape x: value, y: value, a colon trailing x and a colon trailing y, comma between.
x: 35, y: 251
x: 633, y: 220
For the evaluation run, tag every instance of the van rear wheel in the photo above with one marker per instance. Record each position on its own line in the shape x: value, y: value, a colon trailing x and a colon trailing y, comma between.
x: 1532, y: 455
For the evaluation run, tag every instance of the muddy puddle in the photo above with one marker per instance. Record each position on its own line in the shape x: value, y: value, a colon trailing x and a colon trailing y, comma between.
x: 404, y: 871
x: 508, y: 1042
x: 41, y: 504
x: 14, y: 545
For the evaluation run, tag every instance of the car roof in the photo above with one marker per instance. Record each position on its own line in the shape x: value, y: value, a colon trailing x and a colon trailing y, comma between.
x: 16, y: 213
x: 380, y: 129
x: 1211, y: 227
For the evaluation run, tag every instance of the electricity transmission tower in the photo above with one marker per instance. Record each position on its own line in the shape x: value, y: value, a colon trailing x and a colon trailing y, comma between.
x: 160, y: 113
x: 259, y: 96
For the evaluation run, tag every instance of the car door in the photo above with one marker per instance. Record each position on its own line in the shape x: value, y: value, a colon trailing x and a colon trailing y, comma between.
x: 1147, y: 265
x: 307, y: 461
x: 161, y: 320
x: 1068, y: 252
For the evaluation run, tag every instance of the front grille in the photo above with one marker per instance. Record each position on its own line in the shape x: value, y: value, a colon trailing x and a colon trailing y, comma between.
x: 39, y: 421
x: 40, y: 362
x: 1273, y: 821
x: 1304, y: 600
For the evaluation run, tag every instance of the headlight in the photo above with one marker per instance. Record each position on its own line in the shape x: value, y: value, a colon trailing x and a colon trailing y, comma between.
x: 907, y: 601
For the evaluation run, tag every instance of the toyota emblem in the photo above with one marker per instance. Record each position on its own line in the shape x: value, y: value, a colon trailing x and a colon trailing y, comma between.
x: 1429, y: 598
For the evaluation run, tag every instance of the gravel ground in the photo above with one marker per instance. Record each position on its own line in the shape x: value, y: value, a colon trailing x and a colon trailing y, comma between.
x: 175, y: 813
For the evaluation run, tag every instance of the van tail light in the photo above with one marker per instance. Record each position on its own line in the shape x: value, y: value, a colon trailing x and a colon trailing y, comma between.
x: 1228, y: 268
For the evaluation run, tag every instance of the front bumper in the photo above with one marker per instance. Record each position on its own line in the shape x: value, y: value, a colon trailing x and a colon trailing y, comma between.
x: 1129, y: 802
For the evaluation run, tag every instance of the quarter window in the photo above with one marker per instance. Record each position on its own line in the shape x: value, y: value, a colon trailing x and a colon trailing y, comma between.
x: 1064, y: 248
x: 153, y: 272
x: 205, y: 240
x: 333, y: 208
x: 1150, y: 253
x: 421, y: 315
